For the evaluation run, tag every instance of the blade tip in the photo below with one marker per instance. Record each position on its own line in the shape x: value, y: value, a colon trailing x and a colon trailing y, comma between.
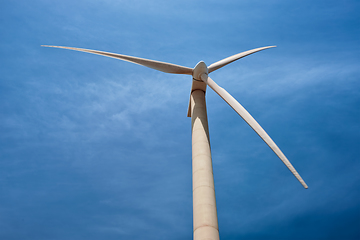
x: 48, y: 46
x: 53, y: 46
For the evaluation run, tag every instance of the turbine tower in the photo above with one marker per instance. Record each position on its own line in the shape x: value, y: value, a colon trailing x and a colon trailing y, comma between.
x: 205, y: 222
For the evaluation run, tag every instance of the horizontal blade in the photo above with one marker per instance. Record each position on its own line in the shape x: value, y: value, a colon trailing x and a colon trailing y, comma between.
x: 233, y: 58
x: 253, y: 124
x: 160, y: 66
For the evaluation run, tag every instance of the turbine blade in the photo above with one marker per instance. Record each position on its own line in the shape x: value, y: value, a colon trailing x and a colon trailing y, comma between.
x: 233, y: 58
x: 253, y: 124
x: 160, y: 66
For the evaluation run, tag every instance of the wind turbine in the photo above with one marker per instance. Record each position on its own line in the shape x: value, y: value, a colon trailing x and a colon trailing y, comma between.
x: 205, y: 221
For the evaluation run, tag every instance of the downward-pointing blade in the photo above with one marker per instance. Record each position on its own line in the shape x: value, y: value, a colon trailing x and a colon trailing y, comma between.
x: 253, y: 124
x: 160, y: 66
x: 233, y: 58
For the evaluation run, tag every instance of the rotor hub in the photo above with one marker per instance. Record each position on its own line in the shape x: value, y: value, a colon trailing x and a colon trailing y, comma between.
x: 199, y: 70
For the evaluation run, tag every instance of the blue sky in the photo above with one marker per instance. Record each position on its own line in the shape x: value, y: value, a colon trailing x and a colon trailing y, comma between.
x: 98, y: 148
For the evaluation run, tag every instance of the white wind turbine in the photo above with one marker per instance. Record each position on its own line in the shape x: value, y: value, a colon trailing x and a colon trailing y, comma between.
x: 205, y: 221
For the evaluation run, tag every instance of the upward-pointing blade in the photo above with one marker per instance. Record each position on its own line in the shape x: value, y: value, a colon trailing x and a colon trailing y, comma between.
x: 233, y: 58
x: 253, y: 124
x: 160, y: 66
